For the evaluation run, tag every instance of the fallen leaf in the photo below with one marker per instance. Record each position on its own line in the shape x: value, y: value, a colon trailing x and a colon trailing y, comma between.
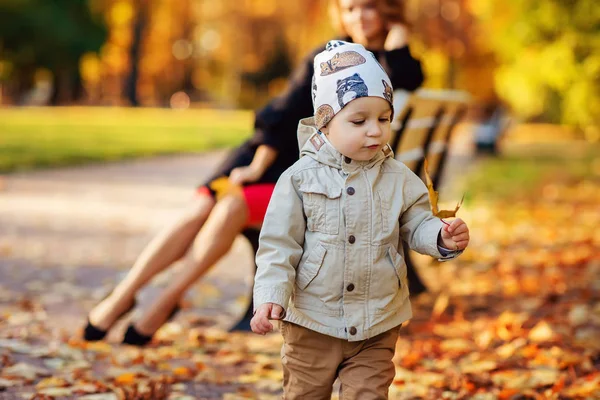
x: 25, y: 371
x: 579, y: 314
x: 126, y: 378
x: 6, y: 383
x: 99, y: 396
x: 542, y: 332
x: 55, y: 391
x: 441, y: 303
x: 478, y: 366
x: 183, y: 372
x: 52, y: 382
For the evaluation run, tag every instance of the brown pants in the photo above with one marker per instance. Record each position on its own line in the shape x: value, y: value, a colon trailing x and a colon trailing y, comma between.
x: 312, y: 361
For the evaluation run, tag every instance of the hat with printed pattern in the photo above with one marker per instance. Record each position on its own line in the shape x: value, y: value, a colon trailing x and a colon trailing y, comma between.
x: 343, y: 72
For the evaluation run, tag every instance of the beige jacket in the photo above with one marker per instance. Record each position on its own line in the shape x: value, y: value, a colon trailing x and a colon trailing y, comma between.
x: 331, y: 243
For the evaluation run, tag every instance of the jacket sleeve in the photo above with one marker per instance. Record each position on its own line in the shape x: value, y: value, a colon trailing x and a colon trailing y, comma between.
x: 404, y: 70
x: 418, y: 227
x: 280, y: 245
x: 276, y: 124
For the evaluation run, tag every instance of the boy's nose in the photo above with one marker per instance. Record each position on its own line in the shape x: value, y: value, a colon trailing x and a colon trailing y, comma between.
x: 374, y: 130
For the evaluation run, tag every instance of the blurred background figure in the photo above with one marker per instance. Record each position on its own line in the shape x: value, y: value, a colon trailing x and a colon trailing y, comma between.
x: 491, y: 123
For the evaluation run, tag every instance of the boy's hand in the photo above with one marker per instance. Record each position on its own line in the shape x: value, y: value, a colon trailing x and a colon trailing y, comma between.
x: 260, y: 322
x: 456, y: 235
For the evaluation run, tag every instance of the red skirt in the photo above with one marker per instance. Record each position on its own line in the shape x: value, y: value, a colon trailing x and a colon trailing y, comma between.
x: 257, y: 199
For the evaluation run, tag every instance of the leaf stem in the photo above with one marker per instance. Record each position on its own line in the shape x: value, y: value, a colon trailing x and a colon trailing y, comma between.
x: 444, y: 222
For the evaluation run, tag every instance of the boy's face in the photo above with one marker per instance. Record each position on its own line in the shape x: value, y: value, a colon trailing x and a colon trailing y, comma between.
x: 361, y: 128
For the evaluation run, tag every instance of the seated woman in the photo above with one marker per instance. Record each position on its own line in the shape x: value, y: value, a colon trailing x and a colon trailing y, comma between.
x: 256, y: 165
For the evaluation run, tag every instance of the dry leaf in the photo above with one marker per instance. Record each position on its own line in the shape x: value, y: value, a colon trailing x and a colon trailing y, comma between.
x: 99, y: 396
x: 223, y: 187
x: 542, y: 332
x: 56, y: 391
x: 6, y: 383
x: 440, y: 305
x: 184, y: 372
x: 476, y: 367
x: 433, y: 199
x: 126, y: 378
x: 24, y: 370
x: 52, y: 382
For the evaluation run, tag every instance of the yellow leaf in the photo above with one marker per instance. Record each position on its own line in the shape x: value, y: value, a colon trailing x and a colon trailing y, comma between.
x: 99, y: 347
x: 440, y: 305
x: 433, y: 198
x: 542, y: 332
x: 223, y: 187
x: 51, y: 382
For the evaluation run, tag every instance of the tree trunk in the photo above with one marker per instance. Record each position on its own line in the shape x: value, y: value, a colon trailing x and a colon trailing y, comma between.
x: 139, y: 25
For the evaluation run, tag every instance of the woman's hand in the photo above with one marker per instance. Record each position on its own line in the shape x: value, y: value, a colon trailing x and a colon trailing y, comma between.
x: 263, y: 158
x: 397, y: 37
x: 242, y: 175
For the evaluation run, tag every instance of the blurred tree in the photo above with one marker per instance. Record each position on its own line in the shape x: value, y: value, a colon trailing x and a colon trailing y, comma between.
x: 49, y: 34
x: 139, y: 25
x: 278, y: 65
x: 549, y: 56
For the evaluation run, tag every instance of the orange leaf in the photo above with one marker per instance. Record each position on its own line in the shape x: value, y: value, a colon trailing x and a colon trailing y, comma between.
x: 223, y: 187
x: 125, y: 379
x: 433, y: 198
x: 183, y: 371
x: 506, y: 394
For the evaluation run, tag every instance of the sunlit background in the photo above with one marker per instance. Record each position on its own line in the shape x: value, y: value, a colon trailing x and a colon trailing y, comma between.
x: 540, y: 57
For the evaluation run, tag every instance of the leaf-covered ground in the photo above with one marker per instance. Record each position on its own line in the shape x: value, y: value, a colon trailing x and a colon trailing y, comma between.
x: 516, y: 317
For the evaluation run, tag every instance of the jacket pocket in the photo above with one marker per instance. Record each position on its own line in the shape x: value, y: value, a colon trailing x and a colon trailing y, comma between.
x: 400, y: 269
x: 384, y: 219
x: 310, y: 268
x: 322, y: 207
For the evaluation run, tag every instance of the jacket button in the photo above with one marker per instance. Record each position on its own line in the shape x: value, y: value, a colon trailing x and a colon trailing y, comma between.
x: 350, y: 191
x: 347, y: 160
x: 351, y: 239
x: 350, y: 287
x: 352, y: 330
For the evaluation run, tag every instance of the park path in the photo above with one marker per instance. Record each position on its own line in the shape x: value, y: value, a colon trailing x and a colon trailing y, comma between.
x: 82, y: 227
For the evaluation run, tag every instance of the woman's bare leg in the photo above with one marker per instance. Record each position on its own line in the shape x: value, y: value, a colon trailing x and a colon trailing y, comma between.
x: 227, y: 219
x: 167, y: 247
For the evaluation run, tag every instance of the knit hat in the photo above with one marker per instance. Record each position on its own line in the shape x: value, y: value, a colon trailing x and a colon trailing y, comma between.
x: 343, y: 72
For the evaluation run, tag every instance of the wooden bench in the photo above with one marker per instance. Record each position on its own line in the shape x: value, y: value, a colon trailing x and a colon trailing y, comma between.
x: 422, y: 127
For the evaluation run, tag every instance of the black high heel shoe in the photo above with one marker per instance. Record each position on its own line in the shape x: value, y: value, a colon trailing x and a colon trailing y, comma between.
x: 134, y: 337
x: 92, y: 333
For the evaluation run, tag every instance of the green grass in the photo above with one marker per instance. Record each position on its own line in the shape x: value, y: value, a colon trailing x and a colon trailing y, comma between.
x: 523, y: 172
x: 50, y: 137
